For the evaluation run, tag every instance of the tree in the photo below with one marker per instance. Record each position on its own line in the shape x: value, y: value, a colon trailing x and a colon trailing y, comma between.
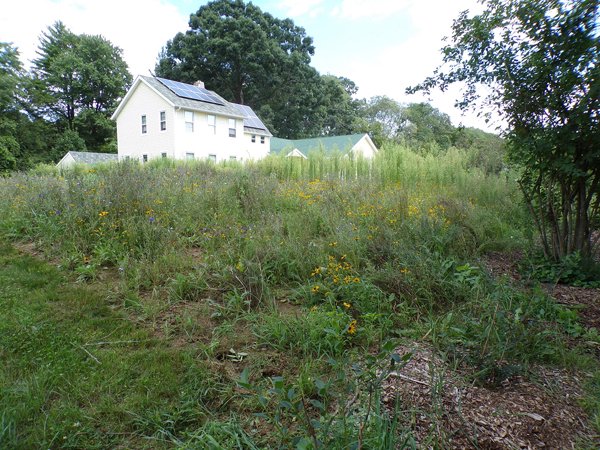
x: 77, y: 75
x: 250, y: 57
x: 422, y: 125
x: 384, y: 114
x: 237, y: 49
x: 10, y: 76
x: 540, y: 59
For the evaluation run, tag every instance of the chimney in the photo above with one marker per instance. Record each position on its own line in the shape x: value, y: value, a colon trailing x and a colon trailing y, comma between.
x: 199, y: 84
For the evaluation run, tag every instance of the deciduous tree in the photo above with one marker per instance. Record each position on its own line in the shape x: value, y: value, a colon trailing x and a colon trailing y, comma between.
x: 77, y: 75
x: 541, y: 60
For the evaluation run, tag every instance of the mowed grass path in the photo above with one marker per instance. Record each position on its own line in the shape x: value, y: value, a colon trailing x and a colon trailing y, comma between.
x: 76, y: 373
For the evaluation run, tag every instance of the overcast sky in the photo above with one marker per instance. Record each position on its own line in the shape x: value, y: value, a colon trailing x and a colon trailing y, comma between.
x: 382, y: 45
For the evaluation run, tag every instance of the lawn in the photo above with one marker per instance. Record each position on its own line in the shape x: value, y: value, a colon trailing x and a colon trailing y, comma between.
x: 270, y: 305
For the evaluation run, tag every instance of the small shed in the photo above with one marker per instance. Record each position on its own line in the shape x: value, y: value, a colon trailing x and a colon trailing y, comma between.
x: 88, y: 158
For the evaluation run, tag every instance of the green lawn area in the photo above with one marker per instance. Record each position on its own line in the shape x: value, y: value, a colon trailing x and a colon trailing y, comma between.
x: 76, y: 372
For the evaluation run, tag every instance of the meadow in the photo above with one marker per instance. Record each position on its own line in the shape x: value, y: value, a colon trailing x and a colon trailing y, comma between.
x: 173, y: 305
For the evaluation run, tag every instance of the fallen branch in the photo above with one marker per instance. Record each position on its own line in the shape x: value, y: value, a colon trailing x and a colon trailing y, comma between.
x: 404, y: 377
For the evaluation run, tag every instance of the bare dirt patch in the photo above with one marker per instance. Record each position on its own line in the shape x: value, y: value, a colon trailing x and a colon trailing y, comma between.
x: 450, y: 413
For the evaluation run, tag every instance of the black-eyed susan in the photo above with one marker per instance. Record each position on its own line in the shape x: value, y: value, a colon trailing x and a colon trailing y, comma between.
x: 352, y: 327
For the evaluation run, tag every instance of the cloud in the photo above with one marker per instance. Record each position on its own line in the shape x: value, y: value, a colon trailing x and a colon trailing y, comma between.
x: 360, y: 9
x: 295, y: 8
x: 391, y: 68
x: 139, y: 27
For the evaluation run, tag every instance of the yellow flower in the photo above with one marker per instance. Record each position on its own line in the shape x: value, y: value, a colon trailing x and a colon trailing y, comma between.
x: 103, y: 213
x: 317, y: 271
x: 332, y: 244
x: 315, y: 288
x: 352, y: 327
x: 404, y: 270
x: 347, y: 305
x: 356, y: 280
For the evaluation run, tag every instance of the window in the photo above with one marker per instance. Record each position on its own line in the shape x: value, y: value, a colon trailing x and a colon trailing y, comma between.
x: 144, y: 127
x: 127, y: 157
x: 262, y: 139
x: 163, y: 121
x: 232, y: 128
x: 212, y: 158
x: 189, y: 156
x: 189, y: 121
x: 253, y: 138
x: 145, y: 158
x: 212, y: 124
x: 232, y: 158
x: 164, y: 155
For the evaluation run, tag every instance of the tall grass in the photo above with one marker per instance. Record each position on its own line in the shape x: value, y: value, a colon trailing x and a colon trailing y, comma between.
x: 369, y: 248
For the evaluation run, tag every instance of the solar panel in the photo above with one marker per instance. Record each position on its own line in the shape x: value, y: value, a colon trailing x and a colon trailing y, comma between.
x: 251, y: 120
x: 192, y: 92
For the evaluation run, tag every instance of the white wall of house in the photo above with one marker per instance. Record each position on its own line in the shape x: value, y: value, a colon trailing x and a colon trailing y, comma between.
x: 365, y: 147
x: 258, y: 149
x: 202, y: 140
x: 132, y: 142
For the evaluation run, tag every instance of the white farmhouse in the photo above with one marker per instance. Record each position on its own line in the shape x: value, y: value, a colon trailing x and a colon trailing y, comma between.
x: 161, y: 118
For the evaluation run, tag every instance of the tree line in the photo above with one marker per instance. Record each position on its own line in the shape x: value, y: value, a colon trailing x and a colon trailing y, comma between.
x: 64, y: 100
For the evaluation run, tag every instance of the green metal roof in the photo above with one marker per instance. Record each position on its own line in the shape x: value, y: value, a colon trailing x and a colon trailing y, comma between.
x: 327, y: 144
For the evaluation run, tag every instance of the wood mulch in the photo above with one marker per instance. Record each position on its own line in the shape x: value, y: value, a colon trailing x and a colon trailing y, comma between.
x: 447, y: 412
x: 540, y: 412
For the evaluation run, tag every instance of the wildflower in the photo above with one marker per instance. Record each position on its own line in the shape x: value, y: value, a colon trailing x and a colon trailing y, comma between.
x: 315, y: 289
x: 352, y: 327
x: 347, y: 305
x: 333, y: 244
x: 315, y: 272
x: 151, y: 219
x: 404, y: 270
x: 103, y: 213
x: 356, y: 280
x: 313, y: 308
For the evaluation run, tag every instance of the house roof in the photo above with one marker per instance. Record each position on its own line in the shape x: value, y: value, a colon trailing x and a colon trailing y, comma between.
x: 252, y: 124
x: 92, y: 158
x: 227, y: 109
x: 327, y: 144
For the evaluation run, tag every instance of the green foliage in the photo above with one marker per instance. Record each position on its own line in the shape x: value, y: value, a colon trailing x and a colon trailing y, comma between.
x: 305, y: 418
x: 68, y: 141
x: 540, y: 59
x: 505, y: 331
x: 250, y: 57
x: 572, y: 270
x: 76, y: 82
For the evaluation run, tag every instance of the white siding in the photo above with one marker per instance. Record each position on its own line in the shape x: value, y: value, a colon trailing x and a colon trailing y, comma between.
x: 256, y: 150
x: 131, y: 141
x: 66, y: 161
x: 204, y: 141
x: 365, y: 147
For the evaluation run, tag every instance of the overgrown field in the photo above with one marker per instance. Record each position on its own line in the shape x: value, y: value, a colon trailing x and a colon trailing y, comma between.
x: 203, y: 306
